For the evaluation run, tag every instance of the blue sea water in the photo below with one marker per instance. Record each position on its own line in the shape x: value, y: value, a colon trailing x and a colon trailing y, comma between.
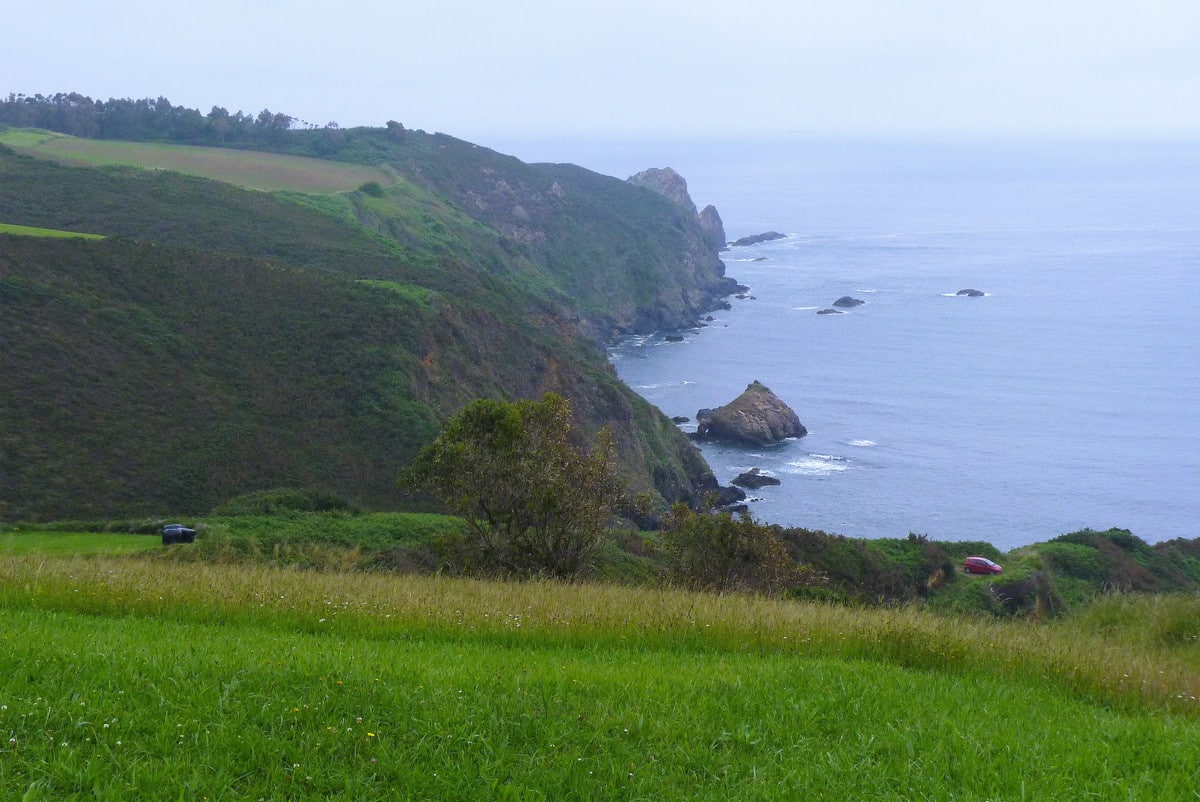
x: 1067, y: 397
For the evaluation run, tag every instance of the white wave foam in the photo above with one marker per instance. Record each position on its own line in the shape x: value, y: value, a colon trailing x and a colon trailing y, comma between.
x: 660, y: 385
x: 861, y: 443
x: 816, y: 465
x: 865, y: 290
x: 804, y: 308
x: 956, y: 295
x: 739, y: 469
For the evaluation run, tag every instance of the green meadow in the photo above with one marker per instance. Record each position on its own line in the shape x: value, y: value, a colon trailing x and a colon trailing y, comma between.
x: 245, y: 168
x: 74, y: 543
x: 140, y: 677
x: 31, y: 231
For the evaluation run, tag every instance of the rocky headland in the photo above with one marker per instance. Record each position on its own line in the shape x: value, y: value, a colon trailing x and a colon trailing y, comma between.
x: 705, y: 283
x: 672, y: 186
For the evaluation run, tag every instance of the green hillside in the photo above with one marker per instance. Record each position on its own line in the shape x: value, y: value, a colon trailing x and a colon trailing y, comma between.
x: 223, y: 340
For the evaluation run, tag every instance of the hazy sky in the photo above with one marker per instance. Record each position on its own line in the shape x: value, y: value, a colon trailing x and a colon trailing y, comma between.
x: 666, y: 68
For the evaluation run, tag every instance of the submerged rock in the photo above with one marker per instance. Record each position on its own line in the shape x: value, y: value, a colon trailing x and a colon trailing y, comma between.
x: 757, y: 417
x: 830, y: 312
x: 847, y: 301
x: 971, y: 293
x: 754, y: 479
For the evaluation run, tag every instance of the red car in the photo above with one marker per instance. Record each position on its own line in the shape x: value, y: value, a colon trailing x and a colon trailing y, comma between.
x: 981, y: 565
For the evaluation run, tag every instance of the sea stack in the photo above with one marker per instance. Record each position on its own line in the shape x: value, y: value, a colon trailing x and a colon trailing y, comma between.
x: 757, y: 417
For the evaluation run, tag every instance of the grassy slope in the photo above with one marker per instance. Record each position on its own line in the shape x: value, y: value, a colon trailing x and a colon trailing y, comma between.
x: 263, y: 171
x: 29, y: 231
x: 208, y: 375
x: 75, y: 543
x: 136, y: 680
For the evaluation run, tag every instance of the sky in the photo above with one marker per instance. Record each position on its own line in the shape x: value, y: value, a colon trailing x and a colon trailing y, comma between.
x: 627, y: 69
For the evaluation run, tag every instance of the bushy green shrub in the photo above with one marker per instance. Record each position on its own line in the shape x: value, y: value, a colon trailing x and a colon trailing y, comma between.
x: 1074, y: 560
x: 957, y: 550
x: 283, y: 500
x: 875, y: 571
x: 372, y: 188
x: 722, y: 553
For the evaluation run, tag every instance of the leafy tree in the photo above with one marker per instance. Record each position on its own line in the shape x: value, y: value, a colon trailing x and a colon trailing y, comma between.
x: 721, y: 553
x: 372, y: 188
x: 534, y: 503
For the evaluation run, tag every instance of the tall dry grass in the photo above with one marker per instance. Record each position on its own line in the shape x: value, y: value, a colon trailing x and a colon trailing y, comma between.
x: 1112, y: 654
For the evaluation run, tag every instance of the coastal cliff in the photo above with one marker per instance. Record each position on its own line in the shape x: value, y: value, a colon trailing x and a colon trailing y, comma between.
x: 244, y: 340
x: 621, y: 260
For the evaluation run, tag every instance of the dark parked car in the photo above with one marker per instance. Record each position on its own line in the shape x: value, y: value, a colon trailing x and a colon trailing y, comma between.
x: 178, y: 533
x: 981, y: 565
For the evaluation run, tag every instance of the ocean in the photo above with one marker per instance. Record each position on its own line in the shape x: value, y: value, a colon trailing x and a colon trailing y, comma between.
x: 1068, y: 396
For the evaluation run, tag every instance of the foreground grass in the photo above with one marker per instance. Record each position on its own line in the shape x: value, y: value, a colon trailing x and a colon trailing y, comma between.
x: 251, y: 169
x: 129, y: 678
x: 75, y: 543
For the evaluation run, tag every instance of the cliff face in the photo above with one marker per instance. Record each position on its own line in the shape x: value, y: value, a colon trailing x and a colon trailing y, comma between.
x: 666, y: 182
x: 621, y: 260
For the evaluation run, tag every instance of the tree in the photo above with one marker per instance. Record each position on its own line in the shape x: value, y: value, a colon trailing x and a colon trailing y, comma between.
x: 721, y: 553
x: 534, y: 503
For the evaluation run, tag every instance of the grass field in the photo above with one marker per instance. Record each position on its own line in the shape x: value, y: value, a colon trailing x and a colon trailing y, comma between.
x: 30, y: 231
x: 75, y: 543
x: 133, y: 678
x: 251, y: 169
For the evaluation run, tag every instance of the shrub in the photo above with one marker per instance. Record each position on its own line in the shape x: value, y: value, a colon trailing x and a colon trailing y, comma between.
x: 721, y: 553
x: 1075, y: 560
x: 283, y: 500
x: 874, y: 571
